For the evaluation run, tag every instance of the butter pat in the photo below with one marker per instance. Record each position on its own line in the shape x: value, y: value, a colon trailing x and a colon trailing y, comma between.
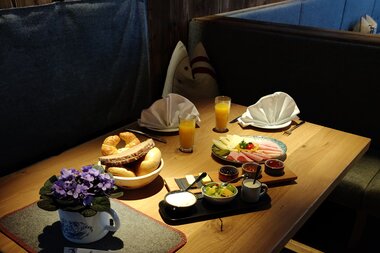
x: 190, y: 179
x: 206, y: 179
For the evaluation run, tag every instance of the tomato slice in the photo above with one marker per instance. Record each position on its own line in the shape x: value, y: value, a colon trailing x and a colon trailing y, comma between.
x: 250, y: 145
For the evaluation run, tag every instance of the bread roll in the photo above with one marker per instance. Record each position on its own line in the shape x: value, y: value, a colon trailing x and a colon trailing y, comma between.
x: 132, y: 154
x: 121, y: 172
x: 150, y: 162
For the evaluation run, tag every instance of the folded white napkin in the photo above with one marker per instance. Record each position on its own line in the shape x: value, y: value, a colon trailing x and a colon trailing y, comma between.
x: 271, y: 110
x: 163, y: 113
x: 366, y: 24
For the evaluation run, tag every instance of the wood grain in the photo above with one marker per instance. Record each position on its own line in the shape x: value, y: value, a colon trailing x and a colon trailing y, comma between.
x: 318, y: 155
x: 168, y: 24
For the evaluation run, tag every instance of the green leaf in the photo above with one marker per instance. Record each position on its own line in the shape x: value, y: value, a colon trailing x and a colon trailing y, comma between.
x: 99, y: 167
x: 88, y: 212
x: 116, y: 195
x: 101, y: 204
x: 47, y: 204
x: 65, y: 202
x: 76, y: 208
x: 46, y: 188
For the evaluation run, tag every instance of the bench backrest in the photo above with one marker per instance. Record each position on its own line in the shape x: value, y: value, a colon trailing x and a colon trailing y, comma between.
x: 328, y: 14
x: 69, y: 71
x: 332, y: 75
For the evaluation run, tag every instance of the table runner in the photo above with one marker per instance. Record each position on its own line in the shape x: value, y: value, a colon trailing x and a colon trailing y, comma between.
x: 37, y: 230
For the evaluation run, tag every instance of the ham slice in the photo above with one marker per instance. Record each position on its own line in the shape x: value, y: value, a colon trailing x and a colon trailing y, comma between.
x: 262, y: 155
x: 254, y: 156
x: 267, y: 145
x: 272, y: 153
x: 238, y: 157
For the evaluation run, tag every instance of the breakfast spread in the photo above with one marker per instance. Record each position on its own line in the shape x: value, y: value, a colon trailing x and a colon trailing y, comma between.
x: 136, y: 158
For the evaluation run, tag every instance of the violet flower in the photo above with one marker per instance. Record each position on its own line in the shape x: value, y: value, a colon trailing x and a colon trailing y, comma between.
x: 82, y: 185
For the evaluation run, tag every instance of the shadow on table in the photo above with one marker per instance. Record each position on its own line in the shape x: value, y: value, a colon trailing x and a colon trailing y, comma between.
x: 149, y: 190
x: 52, y: 240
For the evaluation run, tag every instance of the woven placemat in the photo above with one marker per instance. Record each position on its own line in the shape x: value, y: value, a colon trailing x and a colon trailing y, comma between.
x: 37, y: 230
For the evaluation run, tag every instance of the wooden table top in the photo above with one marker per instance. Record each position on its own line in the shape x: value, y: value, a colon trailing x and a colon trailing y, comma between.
x: 318, y: 155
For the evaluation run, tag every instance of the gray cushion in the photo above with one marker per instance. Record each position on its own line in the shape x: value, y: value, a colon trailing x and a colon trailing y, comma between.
x: 371, y: 200
x: 351, y: 190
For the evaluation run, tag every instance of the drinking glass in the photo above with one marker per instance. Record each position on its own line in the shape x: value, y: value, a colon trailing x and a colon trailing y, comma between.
x: 222, y: 112
x: 186, y: 132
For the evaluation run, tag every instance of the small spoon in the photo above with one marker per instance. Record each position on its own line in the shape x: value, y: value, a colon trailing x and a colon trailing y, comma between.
x: 257, y: 174
x: 235, y: 179
x: 199, y: 178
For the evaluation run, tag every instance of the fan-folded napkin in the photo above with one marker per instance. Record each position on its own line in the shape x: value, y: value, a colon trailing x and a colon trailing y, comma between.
x: 271, y: 110
x: 163, y: 113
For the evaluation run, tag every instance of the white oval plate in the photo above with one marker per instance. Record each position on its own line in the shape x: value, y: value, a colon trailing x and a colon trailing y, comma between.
x: 258, y: 139
x: 164, y: 130
x: 274, y: 126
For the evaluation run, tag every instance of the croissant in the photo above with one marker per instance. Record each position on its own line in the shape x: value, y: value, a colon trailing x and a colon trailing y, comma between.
x: 150, y: 162
x: 109, y: 145
x: 129, y: 155
x: 120, y: 171
x: 129, y: 138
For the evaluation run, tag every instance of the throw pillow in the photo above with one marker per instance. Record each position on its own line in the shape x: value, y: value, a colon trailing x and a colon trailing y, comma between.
x: 366, y: 24
x: 190, y: 77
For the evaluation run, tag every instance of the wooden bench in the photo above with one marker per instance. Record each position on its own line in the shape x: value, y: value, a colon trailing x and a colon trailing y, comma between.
x: 331, y: 72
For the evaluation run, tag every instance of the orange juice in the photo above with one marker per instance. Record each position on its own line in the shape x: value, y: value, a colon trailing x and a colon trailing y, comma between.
x: 222, y: 111
x: 186, y: 134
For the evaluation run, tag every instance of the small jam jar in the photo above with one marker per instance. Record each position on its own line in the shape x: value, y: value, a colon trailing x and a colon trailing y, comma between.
x: 274, y: 167
x: 227, y: 173
x: 250, y: 169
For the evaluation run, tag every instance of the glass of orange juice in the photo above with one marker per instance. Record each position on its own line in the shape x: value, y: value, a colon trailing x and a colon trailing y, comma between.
x: 222, y: 112
x: 186, y: 132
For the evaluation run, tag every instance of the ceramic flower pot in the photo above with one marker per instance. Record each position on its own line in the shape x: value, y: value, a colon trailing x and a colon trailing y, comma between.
x: 79, y: 229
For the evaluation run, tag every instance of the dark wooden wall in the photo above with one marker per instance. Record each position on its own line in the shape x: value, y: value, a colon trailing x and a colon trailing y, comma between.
x: 168, y: 23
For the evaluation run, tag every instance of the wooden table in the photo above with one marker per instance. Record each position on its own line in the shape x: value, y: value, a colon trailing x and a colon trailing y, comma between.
x: 318, y: 155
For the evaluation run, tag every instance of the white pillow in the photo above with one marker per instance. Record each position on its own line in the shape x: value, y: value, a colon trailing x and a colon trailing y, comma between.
x: 366, y: 24
x: 193, y: 78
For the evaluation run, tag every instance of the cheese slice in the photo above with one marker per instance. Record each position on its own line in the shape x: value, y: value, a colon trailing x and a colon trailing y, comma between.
x: 206, y: 179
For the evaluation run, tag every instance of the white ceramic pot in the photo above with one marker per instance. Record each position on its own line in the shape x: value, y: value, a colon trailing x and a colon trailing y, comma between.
x: 79, y: 229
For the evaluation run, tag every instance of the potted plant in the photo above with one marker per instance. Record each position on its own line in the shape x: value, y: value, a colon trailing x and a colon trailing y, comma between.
x: 82, y: 198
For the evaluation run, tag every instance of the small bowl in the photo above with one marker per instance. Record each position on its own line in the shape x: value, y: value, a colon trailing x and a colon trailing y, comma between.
x: 227, y: 173
x: 274, y: 167
x: 216, y: 199
x: 180, y: 201
x: 250, y: 169
x: 140, y: 181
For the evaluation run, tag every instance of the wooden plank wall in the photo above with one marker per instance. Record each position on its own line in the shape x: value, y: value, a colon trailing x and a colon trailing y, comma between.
x: 169, y: 21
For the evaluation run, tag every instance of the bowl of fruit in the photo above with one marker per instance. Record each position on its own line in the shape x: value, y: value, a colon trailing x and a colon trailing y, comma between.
x: 219, y: 193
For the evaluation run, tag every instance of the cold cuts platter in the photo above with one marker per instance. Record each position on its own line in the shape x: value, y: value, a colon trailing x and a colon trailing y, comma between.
x: 240, y: 149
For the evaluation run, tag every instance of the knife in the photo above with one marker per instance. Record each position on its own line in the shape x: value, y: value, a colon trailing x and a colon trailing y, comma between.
x: 235, y: 119
x: 157, y: 138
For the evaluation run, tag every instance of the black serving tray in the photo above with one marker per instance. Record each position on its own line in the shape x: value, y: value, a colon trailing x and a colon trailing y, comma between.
x: 203, y: 210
